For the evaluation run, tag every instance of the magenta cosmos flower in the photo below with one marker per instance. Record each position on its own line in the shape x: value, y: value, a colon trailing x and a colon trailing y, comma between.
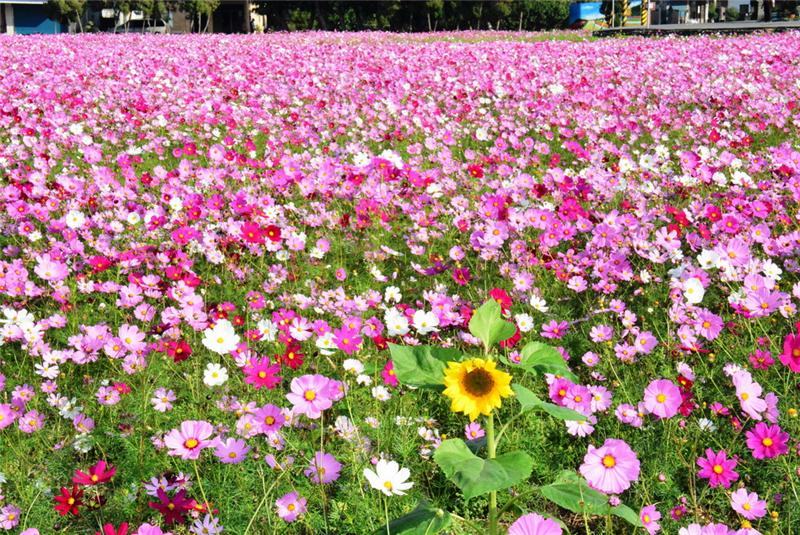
x: 260, y: 374
x: 324, y: 468
x: 310, y: 395
x: 188, y: 441
x: 747, y: 504
x: 290, y: 506
x: 791, y: 352
x: 533, y: 524
x: 767, y: 441
x: 717, y: 468
x: 662, y: 398
x: 610, y: 468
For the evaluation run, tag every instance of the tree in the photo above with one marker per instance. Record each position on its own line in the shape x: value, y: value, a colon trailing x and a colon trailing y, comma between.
x: 67, y: 11
x: 197, y: 9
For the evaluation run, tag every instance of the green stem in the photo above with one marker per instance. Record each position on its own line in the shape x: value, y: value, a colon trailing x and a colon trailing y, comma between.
x: 200, y: 484
x: 490, y: 446
x: 386, y: 515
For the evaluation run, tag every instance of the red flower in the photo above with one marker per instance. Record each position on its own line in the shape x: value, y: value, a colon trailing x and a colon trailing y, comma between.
x: 252, y: 233
x: 97, y: 474
x: 273, y: 233
x: 69, y: 501
x: 172, y: 509
x: 502, y: 298
x: 292, y: 357
x: 179, y: 350
x: 109, y: 529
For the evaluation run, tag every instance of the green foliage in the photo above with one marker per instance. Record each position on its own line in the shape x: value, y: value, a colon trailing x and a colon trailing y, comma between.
x: 476, y: 476
x: 542, y: 358
x: 530, y: 401
x: 487, y: 324
x: 571, y: 492
x: 421, y: 366
x: 424, y: 520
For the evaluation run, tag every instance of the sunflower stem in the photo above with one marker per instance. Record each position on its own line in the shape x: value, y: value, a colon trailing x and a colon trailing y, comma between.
x: 490, y: 446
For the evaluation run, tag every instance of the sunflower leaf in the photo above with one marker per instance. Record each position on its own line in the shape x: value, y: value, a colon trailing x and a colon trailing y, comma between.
x: 424, y: 519
x: 573, y: 493
x: 488, y: 325
x: 476, y: 476
x: 530, y: 401
x: 542, y: 358
x: 421, y: 366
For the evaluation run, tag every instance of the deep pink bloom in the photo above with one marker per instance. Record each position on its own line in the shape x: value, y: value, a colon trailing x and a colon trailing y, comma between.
x: 791, y: 352
x: 612, y: 467
x: 767, y: 441
x: 260, y: 374
x: 388, y: 374
x: 717, y: 468
x: 97, y: 474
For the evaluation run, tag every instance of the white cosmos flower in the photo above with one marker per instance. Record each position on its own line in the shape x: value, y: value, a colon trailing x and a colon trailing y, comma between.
x: 539, y: 304
x: 381, y: 393
x: 215, y: 375
x: 524, y: 322
x: 396, y: 323
x: 75, y: 219
x: 389, y: 478
x: 353, y: 366
x: 222, y: 338
x: 326, y: 345
x: 693, y: 290
x: 268, y: 330
x: 392, y: 293
x: 425, y: 322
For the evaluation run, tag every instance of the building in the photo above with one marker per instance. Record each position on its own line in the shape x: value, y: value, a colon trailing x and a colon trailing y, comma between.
x: 26, y: 17
x: 31, y: 16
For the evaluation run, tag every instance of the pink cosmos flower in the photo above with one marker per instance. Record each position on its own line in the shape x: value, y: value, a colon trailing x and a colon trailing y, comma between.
x: 610, y: 468
x: 231, y: 450
x: 290, y: 506
x: 534, y: 524
x: 717, y: 468
x: 662, y: 397
x: 650, y: 517
x: 188, y: 441
x: 270, y: 418
x: 474, y: 431
x: 324, y: 468
x: 767, y: 441
x: 310, y: 395
x: 747, y: 504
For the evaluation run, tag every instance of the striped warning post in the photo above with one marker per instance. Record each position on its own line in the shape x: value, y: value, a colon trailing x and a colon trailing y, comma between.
x: 645, y: 17
x: 626, y: 10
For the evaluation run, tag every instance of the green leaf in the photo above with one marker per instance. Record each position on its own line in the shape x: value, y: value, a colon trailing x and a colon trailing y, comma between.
x: 421, y: 366
x: 476, y: 476
x: 543, y: 358
x: 487, y: 324
x: 573, y: 493
x: 531, y: 401
x: 425, y: 519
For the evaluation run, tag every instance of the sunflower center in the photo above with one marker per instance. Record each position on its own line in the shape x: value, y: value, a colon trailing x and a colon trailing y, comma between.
x: 478, y: 382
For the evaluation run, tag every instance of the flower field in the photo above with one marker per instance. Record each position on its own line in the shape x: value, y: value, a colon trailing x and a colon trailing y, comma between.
x: 370, y: 283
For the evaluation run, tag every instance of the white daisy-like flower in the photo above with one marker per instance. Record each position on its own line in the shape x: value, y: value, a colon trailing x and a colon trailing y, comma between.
x: 389, y: 478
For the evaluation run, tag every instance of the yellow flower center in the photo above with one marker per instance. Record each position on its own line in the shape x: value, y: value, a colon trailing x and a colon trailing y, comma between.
x: 310, y: 395
x: 71, y: 501
x: 191, y: 444
x: 261, y: 375
x: 744, y: 396
x: 291, y: 507
x: 94, y: 478
x: 609, y: 461
x: 747, y: 507
x: 646, y: 519
x: 269, y: 420
x: 718, y: 469
x: 661, y: 398
x: 388, y: 485
x: 232, y: 455
x: 767, y: 442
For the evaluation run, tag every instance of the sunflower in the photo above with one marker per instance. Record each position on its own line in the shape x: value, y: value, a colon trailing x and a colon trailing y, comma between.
x: 476, y: 386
